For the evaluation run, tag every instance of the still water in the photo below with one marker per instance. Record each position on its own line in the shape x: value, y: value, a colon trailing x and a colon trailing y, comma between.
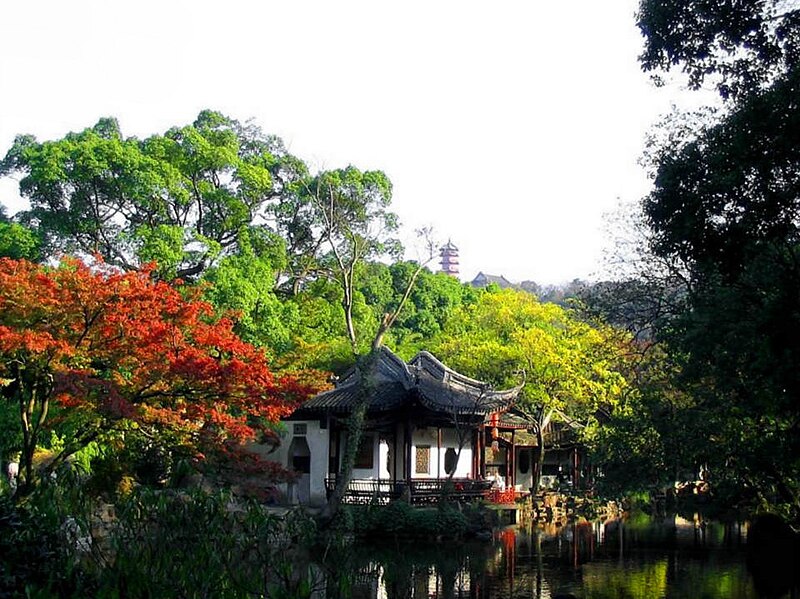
x: 635, y: 558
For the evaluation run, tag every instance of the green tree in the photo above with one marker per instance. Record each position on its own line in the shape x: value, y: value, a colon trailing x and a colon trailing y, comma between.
x: 637, y: 444
x: 725, y: 204
x: 741, y: 46
x: 243, y: 284
x: 18, y: 241
x: 433, y: 298
x: 570, y: 368
x: 180, y: 199
x: 351, y: 212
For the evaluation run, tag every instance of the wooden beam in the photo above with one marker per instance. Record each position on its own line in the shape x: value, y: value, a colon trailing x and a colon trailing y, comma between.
x: 474, y: 469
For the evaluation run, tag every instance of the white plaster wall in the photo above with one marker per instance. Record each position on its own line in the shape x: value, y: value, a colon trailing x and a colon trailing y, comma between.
x: 383, y: 459
x: 524, y: 481
x: 428, y: 436
x: 464, y: 466
x: 317, y: 439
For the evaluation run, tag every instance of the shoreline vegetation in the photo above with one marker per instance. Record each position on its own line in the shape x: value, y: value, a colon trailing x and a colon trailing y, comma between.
x: 168, y: 542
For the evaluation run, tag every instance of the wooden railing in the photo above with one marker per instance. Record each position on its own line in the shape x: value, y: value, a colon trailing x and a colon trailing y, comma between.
x: 419, y: 491
x: 368, y: 491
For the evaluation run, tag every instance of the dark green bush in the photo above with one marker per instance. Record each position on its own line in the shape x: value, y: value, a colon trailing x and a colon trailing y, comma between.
x: 177, y: 544
x: 161, y: 544
x: 399, y: 519
x: 39, y: 539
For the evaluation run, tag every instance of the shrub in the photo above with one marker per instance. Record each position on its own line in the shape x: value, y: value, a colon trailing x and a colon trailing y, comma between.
x: 399, y: 519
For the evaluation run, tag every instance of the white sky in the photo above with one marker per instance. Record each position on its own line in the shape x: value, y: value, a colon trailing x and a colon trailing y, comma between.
x: 510, y: 127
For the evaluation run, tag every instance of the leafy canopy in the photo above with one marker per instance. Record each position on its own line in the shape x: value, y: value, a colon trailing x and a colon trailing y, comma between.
x: 99, y: 346
x: 725, y: 206
x: 180, y: 199
x: 741, y: 45
x: 567, y: 364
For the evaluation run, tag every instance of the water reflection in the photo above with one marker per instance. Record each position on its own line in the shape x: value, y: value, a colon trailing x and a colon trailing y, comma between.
x: 634, y: 558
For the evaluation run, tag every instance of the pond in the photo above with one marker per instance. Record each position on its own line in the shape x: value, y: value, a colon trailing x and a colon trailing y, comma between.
x: 637, y: 557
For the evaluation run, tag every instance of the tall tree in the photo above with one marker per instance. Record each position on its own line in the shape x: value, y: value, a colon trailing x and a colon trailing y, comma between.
x: 351, y: 212
x: 570, y: 368
x: 180, y: 199
x: 741, y: 46
x: 725, y: 203
x: 99, y: 347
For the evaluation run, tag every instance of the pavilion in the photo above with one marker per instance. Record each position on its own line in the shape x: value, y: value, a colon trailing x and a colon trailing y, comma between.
x: 425, y: 424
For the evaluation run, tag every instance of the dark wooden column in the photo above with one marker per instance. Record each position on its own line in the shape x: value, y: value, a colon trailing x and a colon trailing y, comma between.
x: 438, y: 452
x: 575, y: 477
x: 475, y: 467
x: 482, y: 450
x: 395, y: 453
x: 331, y: 448
x: 512, y: 462
x: 338, y: 464
x: 407, y: 450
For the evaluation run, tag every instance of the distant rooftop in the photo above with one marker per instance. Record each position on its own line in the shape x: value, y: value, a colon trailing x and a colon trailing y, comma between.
x: 484, y: 280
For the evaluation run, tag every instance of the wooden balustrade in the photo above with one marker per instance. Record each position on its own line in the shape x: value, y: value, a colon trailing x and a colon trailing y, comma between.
x: 420, y: 491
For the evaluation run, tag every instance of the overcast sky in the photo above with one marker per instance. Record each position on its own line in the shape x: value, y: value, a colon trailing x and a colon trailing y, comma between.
x: 510, y: 127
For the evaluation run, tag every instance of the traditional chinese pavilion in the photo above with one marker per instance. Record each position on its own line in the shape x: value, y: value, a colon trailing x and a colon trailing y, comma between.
x: 424, y: 423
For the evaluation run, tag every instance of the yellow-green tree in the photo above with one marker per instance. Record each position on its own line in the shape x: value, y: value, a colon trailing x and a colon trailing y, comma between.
x: 570, y: 368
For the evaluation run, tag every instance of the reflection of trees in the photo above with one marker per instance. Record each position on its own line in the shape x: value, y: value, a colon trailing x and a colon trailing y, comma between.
x: 638, y: 557
x: 641, y: 581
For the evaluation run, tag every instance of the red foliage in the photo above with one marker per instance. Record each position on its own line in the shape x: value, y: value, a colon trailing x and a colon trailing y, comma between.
x: 121, y: 345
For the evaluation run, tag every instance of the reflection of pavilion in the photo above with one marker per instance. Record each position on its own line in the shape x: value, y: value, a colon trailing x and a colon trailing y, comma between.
x: 423, y: 581
x: 615, y: 558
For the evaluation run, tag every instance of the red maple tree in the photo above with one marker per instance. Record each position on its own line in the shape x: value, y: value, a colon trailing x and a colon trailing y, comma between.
x: 105, y: 346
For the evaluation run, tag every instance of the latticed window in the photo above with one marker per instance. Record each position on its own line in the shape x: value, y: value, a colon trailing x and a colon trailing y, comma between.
x: 423, y: 461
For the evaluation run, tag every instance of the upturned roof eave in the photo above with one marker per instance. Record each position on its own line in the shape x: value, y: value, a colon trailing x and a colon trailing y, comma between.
x: 424, y: 377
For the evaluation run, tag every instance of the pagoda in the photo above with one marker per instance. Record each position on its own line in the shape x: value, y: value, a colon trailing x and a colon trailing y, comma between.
x: 449, y: 259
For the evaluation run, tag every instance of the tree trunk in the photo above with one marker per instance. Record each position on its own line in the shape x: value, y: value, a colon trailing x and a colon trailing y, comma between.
x: 538, y: 461
x: 32, y: 393
x: 29, y: 440
x: 355, y: 428
x: 541, y: 424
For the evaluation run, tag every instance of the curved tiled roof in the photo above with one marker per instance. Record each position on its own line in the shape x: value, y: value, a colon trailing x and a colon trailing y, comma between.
x: 386, y: 396
x: 443, y: 389
x: 424, y: 379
